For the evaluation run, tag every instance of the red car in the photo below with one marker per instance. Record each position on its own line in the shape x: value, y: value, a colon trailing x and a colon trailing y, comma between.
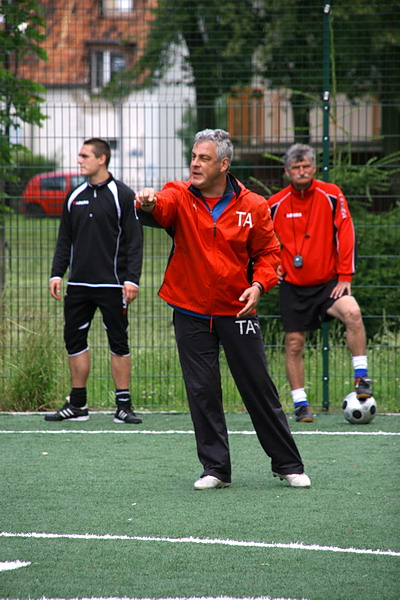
x: 45, y: 193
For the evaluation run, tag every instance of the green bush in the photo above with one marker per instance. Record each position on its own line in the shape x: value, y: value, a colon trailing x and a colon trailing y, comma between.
x: 25, y: 165
x: 377, y: 279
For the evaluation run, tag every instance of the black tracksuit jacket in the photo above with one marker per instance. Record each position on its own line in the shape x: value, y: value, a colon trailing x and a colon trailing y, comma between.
x: 100, y: 236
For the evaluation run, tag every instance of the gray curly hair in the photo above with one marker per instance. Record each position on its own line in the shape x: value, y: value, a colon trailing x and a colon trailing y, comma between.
x: 298, y: 153
x: 221, y: 138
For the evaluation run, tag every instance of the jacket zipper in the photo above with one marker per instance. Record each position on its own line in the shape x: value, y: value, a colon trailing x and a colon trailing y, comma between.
x: 214, y: 236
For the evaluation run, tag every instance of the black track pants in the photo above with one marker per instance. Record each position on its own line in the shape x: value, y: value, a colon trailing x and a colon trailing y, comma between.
x: 241, y: 339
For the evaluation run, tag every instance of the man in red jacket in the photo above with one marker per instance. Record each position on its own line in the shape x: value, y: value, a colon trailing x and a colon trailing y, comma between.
x: 219, y: 227
x: 313, y: 223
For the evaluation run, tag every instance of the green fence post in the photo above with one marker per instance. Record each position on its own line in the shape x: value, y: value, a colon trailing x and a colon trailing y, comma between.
x: 325, y: 176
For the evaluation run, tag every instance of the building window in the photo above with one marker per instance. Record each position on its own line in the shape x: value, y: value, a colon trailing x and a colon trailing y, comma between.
x: 117, y: 7
x: 104, y: 65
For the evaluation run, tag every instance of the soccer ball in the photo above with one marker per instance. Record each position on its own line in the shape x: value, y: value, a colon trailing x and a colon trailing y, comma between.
x: 355, y: 411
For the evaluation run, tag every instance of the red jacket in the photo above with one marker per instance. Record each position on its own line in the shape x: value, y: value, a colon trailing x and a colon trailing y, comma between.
x: 317, y: 225
x: 208, y: 270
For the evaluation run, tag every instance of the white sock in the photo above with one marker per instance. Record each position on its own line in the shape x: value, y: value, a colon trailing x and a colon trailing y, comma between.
x: 360, y: 362
x: 360, y: 365
x: 299, y: 397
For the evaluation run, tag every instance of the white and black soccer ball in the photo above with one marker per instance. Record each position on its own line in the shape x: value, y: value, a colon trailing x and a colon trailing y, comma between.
x: 355, y: 411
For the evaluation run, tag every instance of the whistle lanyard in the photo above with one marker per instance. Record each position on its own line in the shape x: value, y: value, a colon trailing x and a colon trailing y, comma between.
x: 306, y: 234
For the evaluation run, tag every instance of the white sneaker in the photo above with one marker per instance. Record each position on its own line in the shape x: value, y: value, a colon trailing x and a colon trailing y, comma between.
x: 299, y: 480
x: 209, y: 482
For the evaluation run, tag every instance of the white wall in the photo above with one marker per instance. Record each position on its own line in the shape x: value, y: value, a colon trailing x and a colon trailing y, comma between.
x: 147, y: 151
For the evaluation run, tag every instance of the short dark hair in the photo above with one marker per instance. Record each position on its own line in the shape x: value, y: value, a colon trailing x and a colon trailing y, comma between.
x: 99, y: 147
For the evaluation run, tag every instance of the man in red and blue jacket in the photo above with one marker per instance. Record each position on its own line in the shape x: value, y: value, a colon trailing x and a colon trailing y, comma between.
x: 219, y: 228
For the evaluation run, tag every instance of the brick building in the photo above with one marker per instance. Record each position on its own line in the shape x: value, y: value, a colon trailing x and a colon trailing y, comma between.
x: 87, y: 43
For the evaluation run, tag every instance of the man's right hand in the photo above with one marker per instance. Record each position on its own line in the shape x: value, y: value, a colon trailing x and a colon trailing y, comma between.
x: 147, y: 199
x: 55, y: 288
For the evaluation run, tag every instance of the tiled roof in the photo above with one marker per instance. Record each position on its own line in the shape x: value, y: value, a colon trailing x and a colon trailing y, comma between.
x: 75, y: 26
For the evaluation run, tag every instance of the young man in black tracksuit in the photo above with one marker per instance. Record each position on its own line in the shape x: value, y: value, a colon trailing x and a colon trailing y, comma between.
x: 100, y: 240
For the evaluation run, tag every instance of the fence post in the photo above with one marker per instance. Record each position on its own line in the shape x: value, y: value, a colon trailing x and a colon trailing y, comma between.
x: 325, y: 177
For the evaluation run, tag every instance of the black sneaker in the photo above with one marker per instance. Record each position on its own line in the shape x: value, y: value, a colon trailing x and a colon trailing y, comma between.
x: 303, y: 414
x: 69, y: 412
x: 362, y: 387
x: 125, y: 414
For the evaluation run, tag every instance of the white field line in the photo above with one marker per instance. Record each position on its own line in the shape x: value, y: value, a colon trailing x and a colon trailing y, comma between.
x: 174, y: 598
x: 15, y: 564
x: 196, y: 540
x: 141, y: 412
x: 182, y: 432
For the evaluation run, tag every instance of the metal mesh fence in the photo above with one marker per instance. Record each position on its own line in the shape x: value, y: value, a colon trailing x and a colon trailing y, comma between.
x: 146, y: 75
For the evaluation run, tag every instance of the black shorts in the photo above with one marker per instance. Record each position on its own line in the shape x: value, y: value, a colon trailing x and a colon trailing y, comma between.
x: 80, y: 304
x: 304, y: 308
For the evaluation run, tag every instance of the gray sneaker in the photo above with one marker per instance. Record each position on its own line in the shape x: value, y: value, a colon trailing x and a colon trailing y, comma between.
x: 303, y: 414
x: 363, y: 388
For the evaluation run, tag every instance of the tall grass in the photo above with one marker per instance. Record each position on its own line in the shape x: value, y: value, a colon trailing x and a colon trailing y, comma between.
x: 31, y: 363
x: 34, y: 372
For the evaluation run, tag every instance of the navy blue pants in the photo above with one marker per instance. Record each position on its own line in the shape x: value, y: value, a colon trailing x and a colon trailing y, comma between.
x: 198, y: 348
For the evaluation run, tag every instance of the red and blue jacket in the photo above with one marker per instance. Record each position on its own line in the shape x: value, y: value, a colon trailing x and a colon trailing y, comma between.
x: 208, y: 270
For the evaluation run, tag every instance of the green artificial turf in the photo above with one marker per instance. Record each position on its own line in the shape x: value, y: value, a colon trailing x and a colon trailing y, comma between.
x: 116, y: 481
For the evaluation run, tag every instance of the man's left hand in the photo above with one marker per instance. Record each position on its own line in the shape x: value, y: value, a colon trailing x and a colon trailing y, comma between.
x: 129, y: 292
x: 340, y: 288
x: 250, y: 296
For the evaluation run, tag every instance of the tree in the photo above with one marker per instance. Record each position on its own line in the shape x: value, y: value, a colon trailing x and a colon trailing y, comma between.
x: 21, y: 25
x: 213, y: 41
x: 367, y: 51
x: 20, y: 36
x: 365, y: 55
x: 225, y: 45
x: 292, y: 57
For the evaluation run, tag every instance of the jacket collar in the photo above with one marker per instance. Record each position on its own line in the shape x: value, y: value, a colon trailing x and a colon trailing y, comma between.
x: 96, y: 186
x: 232, y: 186
x: 303, y: 193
